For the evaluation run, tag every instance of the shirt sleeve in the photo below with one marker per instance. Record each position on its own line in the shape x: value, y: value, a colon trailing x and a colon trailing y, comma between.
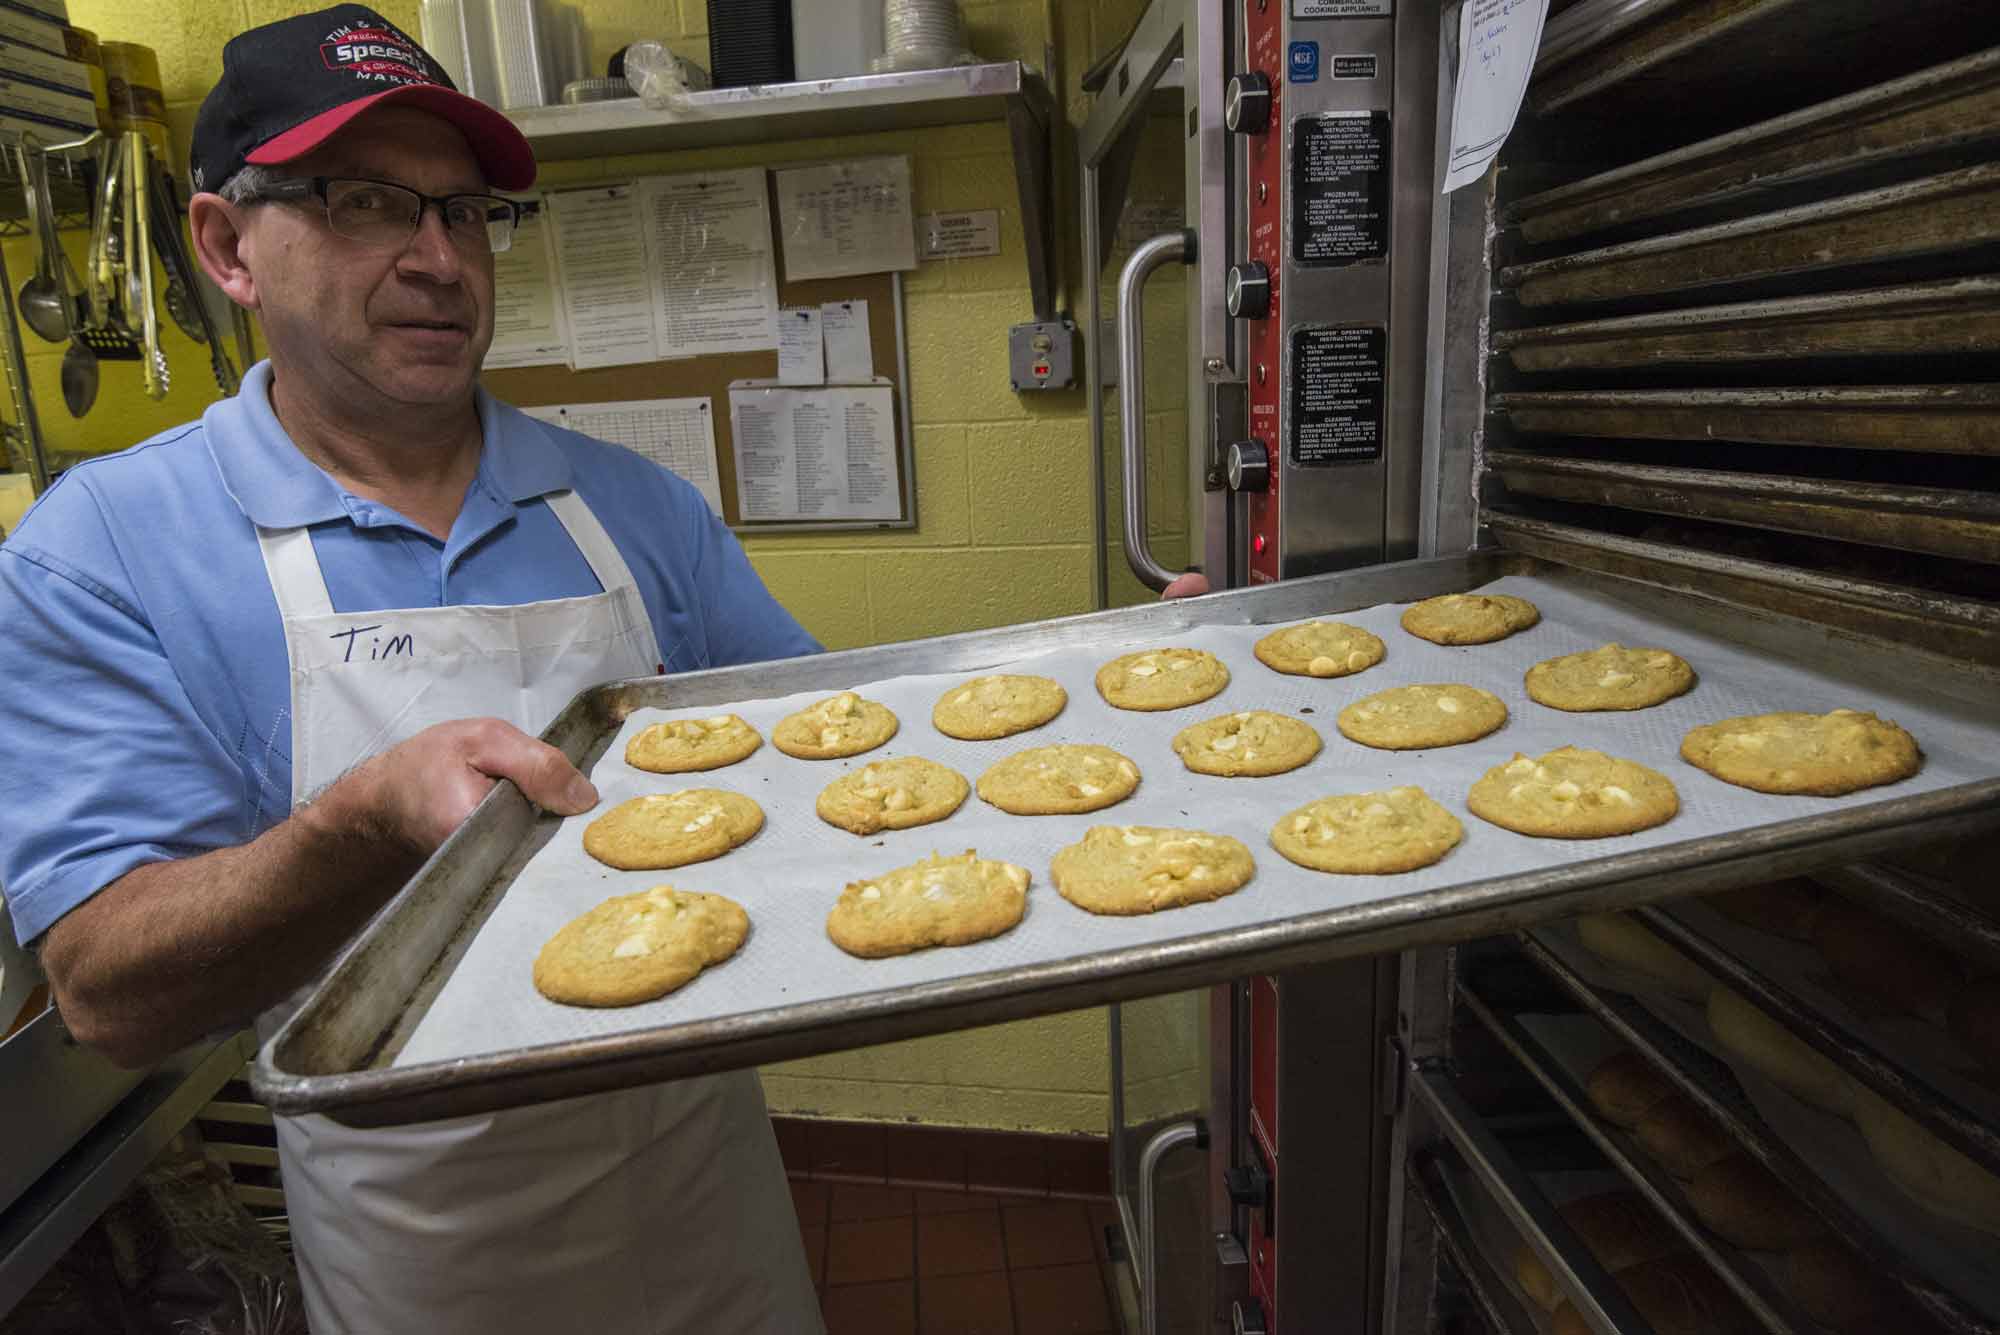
x: 744, y: 623
x: 104, y: 762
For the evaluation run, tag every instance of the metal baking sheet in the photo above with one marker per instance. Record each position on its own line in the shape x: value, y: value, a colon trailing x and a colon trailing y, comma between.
x: 432, y: 1013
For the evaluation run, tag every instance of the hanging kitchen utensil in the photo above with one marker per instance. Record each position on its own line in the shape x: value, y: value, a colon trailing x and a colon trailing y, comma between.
x: 79, y: 375
x: 97, y: 292
x: 105, y: 334
x: 44, y: 304
x: 152, y: 362
x: 183, y: 280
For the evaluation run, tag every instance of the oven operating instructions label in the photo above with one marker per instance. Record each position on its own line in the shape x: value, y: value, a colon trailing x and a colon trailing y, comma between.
x: 1340, y: 188
x: 1336, y: 389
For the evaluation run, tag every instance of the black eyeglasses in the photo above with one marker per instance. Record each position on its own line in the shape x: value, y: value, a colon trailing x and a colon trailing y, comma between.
x: 380, y: 213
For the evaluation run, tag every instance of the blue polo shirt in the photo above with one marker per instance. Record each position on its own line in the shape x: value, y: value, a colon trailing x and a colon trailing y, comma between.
x: 144, y: 689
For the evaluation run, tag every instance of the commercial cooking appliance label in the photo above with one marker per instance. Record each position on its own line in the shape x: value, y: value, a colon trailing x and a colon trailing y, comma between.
x: 1335, y: 387
x: 1340, y: 188
x: 1343, y: 9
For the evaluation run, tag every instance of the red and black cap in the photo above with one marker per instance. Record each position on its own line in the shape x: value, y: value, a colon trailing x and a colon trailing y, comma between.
x: 289, y: 86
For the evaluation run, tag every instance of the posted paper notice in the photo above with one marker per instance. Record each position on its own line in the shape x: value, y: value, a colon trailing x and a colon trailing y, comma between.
x: 801, y: 349
x: 846, y: 218
x: 1497, y: 44
x: 715, y: 286
x: 812, y: 454
x: 849, y: 355
x: 601, y: 262
x: 527, y: 307
x: 678, y: 434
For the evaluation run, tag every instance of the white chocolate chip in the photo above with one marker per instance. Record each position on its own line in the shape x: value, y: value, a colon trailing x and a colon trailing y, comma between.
x: 829, y: 736
x: 1521, y: 766
x: 1611, y: 679
x: 1250, y: 754
x: 1565, y: 791
x: 1125, y: 768
x: 1226, y: 742
x: 1660, y: 660
x: 1143, y: 670
x: 1133, y: 838
x: 1200, y: 870
x: 1245, y: 716
x: 720, y: 721
x: 1542, y: 773
x: 935, y: 892
x: 633, y: 945
x: 1514, y: 793
x: 961, y: 698
x: 1377, y: 809
x: 1299, y: 824
x: 1357, y: 659
x: 1617, y: 794
x: 1749, y: 741
x: 1447, y: 704
x: 1180, y: 665
x: 1088, y: 790
x: 871, y: 892
x: 899, y: 800
x: 1322, y: 666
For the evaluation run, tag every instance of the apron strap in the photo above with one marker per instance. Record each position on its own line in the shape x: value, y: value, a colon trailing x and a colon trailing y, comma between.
x: 293, y: 567
x: 591, y: 539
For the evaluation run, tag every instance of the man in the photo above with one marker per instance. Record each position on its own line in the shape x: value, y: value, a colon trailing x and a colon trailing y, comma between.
x: 247, y: 663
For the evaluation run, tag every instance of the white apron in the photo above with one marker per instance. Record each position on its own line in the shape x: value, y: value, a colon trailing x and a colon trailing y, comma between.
x: 652, y: 1210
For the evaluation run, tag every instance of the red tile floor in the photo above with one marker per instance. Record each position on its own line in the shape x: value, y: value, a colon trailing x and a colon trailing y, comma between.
x: 945, y: 1233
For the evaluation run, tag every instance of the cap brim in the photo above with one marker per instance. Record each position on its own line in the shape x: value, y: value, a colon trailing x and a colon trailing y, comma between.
x: 504, y: 156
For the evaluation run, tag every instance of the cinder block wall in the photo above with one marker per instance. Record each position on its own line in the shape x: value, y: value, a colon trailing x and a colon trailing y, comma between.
x: 1003, y: 480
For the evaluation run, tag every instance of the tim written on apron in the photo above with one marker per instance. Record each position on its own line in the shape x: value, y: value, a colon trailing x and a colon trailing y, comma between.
x: 651, y: 1210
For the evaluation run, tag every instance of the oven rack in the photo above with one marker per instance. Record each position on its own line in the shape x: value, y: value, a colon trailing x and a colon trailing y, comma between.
x: 1868, y: 1061
x: 1765, y: 1299
x: 1711, y: 1085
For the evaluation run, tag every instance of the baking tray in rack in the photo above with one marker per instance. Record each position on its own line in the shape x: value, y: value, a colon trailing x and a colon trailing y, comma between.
x: 430, y: 1013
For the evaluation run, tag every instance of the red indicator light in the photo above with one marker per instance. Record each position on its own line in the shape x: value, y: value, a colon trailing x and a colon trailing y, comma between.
x: 1257, y: 544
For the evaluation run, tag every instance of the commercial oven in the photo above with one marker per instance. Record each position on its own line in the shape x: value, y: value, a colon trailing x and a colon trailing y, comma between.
x: 1721, y: 320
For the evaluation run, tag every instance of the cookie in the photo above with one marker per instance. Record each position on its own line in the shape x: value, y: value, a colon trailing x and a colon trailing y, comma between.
x: 1612, y: 677
x: 691, y: 744
x: 1059, y: 780
x: 1250, y: 744
x: 634, y: 948
x: 1469, y: 618
x: 1411, y: 718
x: 988, y: 707
x: 1128, y: 869
x: 840, y: 725
x: 1368, y: 833
x: 672, y: 829
x: 892, y: 795
x: 1824, y: 755
x: 941, y: 901
x: 1572, y: 793
x: 1161, y: 679
x: 1320, y: 649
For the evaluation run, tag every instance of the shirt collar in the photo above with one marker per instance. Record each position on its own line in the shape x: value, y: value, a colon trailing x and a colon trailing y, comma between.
x: 278, y: 487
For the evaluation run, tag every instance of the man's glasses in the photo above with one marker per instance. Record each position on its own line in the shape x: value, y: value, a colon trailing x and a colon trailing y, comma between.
x: 377, y: 213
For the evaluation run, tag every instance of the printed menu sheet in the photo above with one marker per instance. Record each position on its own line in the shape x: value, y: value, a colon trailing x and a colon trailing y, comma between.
x: 666, y: 267
x: 842, y: 218
x: 810, y: 454
x: 678, y: 434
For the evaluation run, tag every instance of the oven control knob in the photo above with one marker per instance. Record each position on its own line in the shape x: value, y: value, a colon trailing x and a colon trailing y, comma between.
x: 1246, y: 1317
x: 1249, y: 470
x: 1246, y: 290
x: 1246, y: 109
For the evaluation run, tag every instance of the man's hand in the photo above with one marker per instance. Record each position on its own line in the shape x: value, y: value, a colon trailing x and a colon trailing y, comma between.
x: 419, y: 792
x: 1191, y: 585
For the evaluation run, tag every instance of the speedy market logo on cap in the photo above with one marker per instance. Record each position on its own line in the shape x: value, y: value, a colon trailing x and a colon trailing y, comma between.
x: 377, y: 55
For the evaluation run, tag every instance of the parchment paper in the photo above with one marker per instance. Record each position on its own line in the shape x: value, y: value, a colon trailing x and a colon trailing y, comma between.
x: 791, y: 873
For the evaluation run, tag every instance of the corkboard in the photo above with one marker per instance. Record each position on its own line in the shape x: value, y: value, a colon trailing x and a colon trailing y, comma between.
x: 710, y: 377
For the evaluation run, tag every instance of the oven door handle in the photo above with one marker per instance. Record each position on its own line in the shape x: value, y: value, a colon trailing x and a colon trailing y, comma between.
x: 1151, y: 255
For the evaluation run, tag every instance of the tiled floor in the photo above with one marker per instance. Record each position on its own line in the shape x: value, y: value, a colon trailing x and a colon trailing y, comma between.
x: 913, y: 1261
x: 917, y: 1232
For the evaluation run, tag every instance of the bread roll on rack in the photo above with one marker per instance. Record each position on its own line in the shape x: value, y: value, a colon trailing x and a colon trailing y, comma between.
x: 1768, y: 1047
x: 1682, y: 1138
x: 1740, y: 1201
x: 1617, y: 1227
x: 1929, y: 1172
x: 1621, y: 940
x: 1677, y: 1295
x: 1626, y: 1087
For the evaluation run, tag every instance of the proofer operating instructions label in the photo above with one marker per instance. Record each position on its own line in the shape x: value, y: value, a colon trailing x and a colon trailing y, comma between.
x: 1336, y: 391
x: 1340, y: 188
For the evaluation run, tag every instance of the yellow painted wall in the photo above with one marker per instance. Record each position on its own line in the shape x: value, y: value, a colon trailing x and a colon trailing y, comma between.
x: 1003, y: 480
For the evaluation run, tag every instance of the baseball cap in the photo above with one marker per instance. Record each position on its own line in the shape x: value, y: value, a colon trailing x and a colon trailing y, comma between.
x: 289, y: 86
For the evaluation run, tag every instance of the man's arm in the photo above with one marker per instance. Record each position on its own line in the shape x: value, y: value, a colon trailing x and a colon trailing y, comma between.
x: 172, y: 950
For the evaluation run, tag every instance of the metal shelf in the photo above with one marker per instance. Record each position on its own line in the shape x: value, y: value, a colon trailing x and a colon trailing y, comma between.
x: 1873, y: 1065
x: 1932, y: 912
x: 1430, y: 1182
x: 1713, y: 1087
x: 40, y: 1226
x: 1749, y: 1281
x: 861, y: 104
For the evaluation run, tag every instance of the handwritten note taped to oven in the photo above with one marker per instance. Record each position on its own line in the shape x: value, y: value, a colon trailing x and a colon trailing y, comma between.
x: 1497, y: 42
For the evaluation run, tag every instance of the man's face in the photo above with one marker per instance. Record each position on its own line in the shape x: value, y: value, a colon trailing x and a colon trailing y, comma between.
x: 380, y: 325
